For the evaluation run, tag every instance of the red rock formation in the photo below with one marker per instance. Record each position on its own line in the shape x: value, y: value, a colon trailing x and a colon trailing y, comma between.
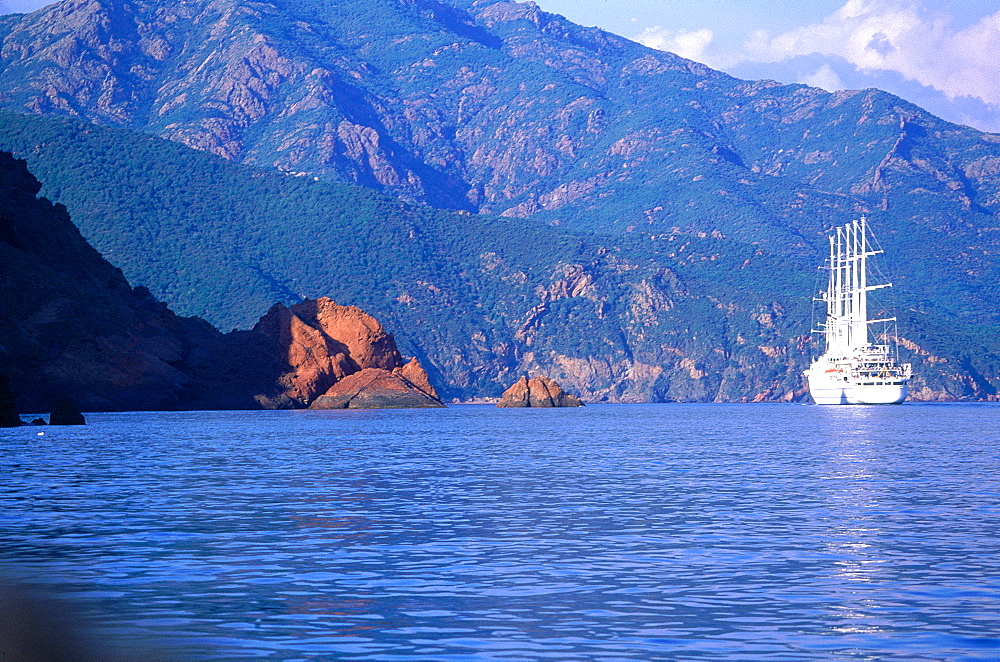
x: 324, y: 344
x: 315, y: 361
x: 537, y: 392
x: 374, y: 388
x: 367, y: 343
x: 66, y: 413
x: 414, y: 373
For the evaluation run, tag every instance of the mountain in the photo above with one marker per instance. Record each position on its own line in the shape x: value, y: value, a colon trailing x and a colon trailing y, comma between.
x: 492, y: 106
x: 500, y: 108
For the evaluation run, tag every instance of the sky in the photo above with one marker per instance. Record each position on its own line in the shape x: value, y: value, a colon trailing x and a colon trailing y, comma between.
x: 943, y: 55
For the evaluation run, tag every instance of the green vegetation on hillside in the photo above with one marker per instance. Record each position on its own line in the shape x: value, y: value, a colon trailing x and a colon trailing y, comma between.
x: 224, y: 241
x: 678, y: 315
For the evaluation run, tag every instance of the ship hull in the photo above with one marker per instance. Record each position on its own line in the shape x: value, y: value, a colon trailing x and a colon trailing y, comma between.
x: 825, y: 391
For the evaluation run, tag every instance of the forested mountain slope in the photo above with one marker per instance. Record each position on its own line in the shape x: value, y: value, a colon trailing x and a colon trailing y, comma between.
x: 479, y: 300
x: 502, y: 108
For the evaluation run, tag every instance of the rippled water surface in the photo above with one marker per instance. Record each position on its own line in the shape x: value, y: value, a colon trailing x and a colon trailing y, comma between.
x: 604, y: 533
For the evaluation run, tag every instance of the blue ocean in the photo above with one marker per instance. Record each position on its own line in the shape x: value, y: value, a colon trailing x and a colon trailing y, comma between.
x: 610, y: 532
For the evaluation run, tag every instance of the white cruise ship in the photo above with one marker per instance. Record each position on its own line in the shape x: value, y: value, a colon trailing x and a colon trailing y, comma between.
x: 852, y: 370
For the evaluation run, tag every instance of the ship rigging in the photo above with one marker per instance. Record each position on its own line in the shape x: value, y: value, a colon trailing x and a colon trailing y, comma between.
x: 853, y: 370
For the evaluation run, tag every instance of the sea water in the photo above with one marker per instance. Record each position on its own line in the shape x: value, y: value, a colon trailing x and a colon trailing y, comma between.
x: 614, y: 532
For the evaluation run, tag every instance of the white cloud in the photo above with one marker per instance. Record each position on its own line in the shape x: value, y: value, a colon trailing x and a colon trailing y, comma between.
x: 691, y: 44
x: 824, y: 77
x: 902, y: 36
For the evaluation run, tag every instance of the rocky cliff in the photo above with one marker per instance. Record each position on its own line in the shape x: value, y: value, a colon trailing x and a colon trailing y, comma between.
x: 8, y: 407
x: 70, y: 324
x: 73, y: 329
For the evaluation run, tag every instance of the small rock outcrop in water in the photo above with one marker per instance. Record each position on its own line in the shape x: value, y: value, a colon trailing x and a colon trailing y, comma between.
x: 66, y: 413
x: 8, y: 410
x: 375, y: 388
x: 537, y: 392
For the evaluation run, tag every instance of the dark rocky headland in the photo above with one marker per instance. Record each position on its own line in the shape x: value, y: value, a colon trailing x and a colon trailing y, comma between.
x: 74, y: 335
x: 8, y: 408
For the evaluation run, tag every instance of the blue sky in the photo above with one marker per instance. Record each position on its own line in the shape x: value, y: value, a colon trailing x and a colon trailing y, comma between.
x: 943, y: 55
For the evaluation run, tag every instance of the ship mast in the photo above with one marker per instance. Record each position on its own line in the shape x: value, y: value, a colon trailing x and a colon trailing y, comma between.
x: 853, y: 370
x: 846, y: 295
x: 859, y: 291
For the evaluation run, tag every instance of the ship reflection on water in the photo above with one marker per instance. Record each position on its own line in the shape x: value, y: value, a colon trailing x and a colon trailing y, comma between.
x: 854, y: 536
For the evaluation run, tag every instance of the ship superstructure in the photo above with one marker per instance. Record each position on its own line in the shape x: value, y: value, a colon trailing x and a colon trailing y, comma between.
x: 853, y: 370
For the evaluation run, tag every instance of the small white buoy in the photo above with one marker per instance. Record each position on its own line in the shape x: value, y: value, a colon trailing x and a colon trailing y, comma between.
x: 41, y: 434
